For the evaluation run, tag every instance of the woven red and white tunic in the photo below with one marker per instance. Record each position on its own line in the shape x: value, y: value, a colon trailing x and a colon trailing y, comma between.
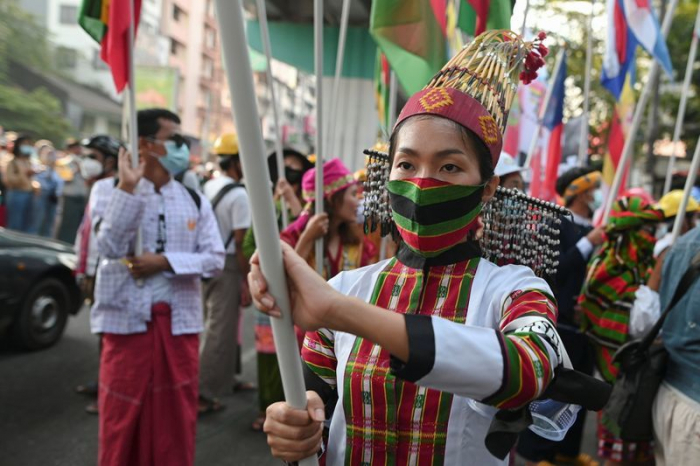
x: 477, y: 332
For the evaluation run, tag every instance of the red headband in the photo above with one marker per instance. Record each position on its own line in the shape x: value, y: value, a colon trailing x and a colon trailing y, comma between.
x: 460, y: 108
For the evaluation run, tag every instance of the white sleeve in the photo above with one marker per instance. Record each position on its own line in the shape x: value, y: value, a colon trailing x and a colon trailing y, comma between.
x: 646, y: 310
x: 240, y: 210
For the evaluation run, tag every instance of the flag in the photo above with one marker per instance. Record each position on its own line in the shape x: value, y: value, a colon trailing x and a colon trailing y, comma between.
x: 413, y: 34
x: 618, y: 132
x: 107, y: 21
x: 645, y: 26
x: 553, y: 121
x: 381, y: 88
x: 620, y: 50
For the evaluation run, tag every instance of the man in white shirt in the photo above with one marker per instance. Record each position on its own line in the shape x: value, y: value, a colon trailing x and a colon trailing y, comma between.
x: 148, y: 307
x: 224, y: 295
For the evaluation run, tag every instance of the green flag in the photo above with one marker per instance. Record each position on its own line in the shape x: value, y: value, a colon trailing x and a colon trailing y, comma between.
x: 413, y: 34
x: 93, y: 18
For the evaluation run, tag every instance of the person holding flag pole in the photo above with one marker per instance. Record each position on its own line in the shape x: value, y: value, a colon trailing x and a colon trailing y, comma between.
x: 680, y: 117
x: 240, y: 79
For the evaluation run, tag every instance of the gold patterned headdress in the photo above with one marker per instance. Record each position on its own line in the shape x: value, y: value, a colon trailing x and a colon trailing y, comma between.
x: 477, y: 87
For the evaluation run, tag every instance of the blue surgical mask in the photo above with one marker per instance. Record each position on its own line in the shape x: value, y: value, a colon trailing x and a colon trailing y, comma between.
x: 177, y: 159
x: 27, y: 150
x: 597, y: 201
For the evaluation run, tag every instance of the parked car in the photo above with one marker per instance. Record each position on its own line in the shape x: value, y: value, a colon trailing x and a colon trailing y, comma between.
x: 38, y: 289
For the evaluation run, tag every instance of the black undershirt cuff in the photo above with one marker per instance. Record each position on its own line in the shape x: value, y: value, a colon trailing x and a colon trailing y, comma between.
x: 421, y: 349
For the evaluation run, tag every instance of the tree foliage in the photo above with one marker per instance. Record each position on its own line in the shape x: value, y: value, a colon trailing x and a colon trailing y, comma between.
x: 36, y: 112
x: 569, y: 21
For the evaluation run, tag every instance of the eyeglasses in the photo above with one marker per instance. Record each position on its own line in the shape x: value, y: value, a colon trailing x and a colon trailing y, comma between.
x: 178, y: 139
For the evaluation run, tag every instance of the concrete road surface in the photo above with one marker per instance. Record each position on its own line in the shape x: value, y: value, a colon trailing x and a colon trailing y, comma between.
x: 42, y: 421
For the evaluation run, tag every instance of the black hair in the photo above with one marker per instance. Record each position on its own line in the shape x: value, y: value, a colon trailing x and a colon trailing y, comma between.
x: 18, y: 143
x: 148, y: 124
x: 107, y: 145
x: 483, y: 155
x: 306, y: 164
x: 568, y: 177
x: 225, y: 161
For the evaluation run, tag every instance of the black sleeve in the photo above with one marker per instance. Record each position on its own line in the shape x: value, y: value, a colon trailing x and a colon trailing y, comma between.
x: 421, y: 349
x: 328, y: 394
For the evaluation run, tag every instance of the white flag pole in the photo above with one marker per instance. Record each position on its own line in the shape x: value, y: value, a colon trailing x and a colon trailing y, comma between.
x: 689, y: 183
x: 335, y: 102
x: 279, y: 152
x: 527, y: 9
x: 393, y: 97
x: 626, y: 156
x: 318, y: 65
x: 543, y: 109
x: 252, y: 151
x: 583, y: 139
x: 680, y: 117
x: 133, y: 119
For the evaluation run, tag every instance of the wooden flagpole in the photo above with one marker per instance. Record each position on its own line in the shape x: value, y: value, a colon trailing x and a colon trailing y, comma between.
x: 252, y: 151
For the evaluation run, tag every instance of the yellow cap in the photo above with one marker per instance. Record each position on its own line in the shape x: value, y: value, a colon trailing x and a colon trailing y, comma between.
x: 226, y: 144
x: 360, y: 175
x: 312, y: 158
x: 671, y: 202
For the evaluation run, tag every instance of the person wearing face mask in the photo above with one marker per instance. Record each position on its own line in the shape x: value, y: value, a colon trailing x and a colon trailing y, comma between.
x: 579, y: 189
x: 624, y: 264
x: 148, y: 308
x: 289, y: 188
x: 670, y: 204
x: 224, y: 295
x: 344, y: 245
x: 510, y: 173
x: 46, y: 202
x: 18, y: 186
x: 408, y: 344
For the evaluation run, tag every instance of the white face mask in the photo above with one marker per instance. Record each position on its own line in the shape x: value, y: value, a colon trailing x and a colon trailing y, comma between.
x: 90, y: 168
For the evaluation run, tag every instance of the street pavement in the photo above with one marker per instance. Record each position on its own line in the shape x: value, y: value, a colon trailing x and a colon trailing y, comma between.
x: 43, y: 422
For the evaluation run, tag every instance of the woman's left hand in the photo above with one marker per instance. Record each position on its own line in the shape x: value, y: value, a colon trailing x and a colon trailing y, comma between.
x: 311, y: 298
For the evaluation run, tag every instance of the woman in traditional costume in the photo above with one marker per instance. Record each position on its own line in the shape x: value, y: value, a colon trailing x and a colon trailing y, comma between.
x: 345, y: 247
x: 421, y: 350
x: 616, y: 284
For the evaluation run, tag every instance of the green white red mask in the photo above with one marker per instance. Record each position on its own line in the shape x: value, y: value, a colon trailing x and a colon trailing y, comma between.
x: 432, y: 215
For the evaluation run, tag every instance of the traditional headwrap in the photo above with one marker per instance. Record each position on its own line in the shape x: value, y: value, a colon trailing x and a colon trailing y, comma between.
x: 576, y: 181
x: 336, y: 176
x: 614, y: 275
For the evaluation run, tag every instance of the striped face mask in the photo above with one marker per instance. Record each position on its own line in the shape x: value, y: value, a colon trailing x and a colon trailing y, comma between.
x: 432, y: 215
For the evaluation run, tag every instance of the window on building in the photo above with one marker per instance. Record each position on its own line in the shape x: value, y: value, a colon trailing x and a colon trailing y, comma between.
x: 177, y: 13
x: 66, y: 58
x: 175, y: 47
x: 208, y: 70
x: 210, y: 38
x: 68, y: 14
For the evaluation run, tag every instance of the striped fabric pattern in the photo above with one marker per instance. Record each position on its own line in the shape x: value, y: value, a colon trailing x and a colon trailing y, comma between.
x: 319, y: 355
x: 433, y: 215
x: 390, y: 421
x: 527, y: 365
x: 614, y: 275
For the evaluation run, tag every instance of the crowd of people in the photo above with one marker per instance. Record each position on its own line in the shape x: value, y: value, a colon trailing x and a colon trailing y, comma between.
x: 167, y: 258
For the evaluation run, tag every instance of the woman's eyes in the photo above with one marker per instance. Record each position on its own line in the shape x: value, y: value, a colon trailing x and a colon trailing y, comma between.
x: 450, y: 168
x: 404, y: 165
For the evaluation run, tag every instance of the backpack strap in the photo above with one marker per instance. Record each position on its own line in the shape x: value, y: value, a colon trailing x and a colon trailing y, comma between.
x: 689, y: 277
x: 219, y: 197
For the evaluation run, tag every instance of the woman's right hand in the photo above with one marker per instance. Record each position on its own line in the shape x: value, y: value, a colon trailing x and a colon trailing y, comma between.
x: 317, y: 227
x: 295, y: 434
x: 312, y: 299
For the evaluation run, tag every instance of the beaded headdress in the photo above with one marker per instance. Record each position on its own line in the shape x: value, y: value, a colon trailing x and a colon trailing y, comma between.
x: 518, y: 229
